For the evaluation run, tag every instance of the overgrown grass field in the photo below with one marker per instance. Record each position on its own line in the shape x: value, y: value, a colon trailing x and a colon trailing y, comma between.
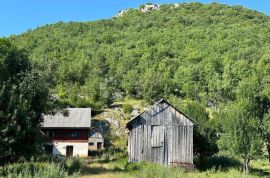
x: 119, y: 168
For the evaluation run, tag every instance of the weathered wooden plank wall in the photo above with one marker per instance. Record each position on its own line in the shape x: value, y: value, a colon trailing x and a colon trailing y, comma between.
x: 161, y: 135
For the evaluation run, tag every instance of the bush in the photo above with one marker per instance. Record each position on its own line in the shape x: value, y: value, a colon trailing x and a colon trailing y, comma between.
x: 73, y: 165
x: 127, y: 108
x: 36, y: 170
x: 16, y: 168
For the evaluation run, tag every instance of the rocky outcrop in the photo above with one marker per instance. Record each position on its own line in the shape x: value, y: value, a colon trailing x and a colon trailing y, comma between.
x: 176, y: 5
x: 149, y: 7
x: 122, y: 12
x: 143, y: 8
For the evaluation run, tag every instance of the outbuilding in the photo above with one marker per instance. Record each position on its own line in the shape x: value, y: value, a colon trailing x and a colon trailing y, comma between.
x: 161, y: 134
x: 96, y: 140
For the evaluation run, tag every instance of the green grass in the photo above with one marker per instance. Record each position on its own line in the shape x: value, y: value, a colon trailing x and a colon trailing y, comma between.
x: 118, y: 168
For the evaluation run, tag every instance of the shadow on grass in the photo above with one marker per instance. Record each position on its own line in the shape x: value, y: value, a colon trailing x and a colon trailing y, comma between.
x: 103, y: 166
x: 217, y: 163
x: 226, y: 163
x: 88, y: 170
x: 259, y: 172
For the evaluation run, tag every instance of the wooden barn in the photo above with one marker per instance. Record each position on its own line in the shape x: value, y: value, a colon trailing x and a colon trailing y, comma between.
x: 161, y: 134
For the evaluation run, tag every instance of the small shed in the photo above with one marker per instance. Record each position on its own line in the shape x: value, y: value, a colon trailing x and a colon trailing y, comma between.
x: 161, y: 134
x: 96, y: 140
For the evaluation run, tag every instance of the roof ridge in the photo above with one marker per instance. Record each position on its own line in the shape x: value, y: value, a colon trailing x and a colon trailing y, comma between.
x: 162, y: 99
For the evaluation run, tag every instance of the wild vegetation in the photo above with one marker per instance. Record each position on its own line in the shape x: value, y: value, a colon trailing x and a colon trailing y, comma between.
x: 44, y: 167
x: 117, y: 167
x: 24, y: 97
x: 211, y: 60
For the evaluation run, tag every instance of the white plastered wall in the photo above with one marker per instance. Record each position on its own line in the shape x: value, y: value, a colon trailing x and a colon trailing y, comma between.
x: 79, y: 149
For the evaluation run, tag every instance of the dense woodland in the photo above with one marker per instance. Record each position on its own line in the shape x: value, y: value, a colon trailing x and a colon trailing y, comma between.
x: 212, y: 61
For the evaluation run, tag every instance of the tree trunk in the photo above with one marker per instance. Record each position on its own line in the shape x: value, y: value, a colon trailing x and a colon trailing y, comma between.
x: 246, y: 166
x: 268, y: 150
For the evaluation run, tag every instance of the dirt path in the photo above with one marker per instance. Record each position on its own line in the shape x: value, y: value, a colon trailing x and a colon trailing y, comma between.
x: 102, y: 170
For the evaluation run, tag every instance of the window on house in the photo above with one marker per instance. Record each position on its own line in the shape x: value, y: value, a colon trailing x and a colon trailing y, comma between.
x: 75, y: 134
x: 157, y: 136
x: 47, y: 133
x: 91, y: 144
x: 50, y: 133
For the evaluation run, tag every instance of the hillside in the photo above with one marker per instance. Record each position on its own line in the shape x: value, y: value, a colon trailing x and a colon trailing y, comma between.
x: 191, y: 51
x: 211, y: 61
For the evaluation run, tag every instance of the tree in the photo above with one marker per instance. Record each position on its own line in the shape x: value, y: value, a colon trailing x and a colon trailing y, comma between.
x: 240, y: 137
x: 262, y: 99
x: 205, y: 136
x: 24, y: 97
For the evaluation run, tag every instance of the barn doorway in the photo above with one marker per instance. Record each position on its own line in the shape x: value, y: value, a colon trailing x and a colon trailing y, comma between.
x: 99, y: 145
x: 158, y: 146
x: 69, y: 151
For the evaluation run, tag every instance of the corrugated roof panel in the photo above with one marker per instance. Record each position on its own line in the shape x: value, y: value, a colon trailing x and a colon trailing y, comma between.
x: 78, y: 117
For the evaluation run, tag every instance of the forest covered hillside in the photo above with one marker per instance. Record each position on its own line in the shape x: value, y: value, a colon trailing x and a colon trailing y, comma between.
x: 211, y: 61
x: 201, y: 52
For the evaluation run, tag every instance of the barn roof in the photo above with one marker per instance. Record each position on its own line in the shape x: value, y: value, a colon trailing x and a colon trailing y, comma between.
x: 162, y: 100
x: 77, y: 118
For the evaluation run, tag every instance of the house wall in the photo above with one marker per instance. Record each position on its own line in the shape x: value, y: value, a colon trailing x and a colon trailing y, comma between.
x: 66, y: 134
x: 62, y: 137
x: 172, y: 140
x: 95, y: 141
x: 95, y: 137
x: 79, y: 148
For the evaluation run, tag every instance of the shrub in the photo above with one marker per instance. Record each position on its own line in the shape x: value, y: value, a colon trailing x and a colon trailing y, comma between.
x: 17, y: 168
x: 73, y: 165
x: 36, y: 170
x: 127, y: 108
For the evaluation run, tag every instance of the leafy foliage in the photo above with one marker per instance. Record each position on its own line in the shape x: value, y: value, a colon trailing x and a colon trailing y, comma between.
x: 241, y: 137
x: 38, y: 170
x: 127, y: 108
x: 24, y: 97
x: 212, y: 56
x: 194, y: 51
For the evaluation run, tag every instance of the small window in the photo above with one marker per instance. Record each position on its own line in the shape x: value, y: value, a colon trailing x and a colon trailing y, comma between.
x: 91, y: 144
x: 50, y: 133
x: 157, y: 136
x: 47, y: 133
x: 75, y: 134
